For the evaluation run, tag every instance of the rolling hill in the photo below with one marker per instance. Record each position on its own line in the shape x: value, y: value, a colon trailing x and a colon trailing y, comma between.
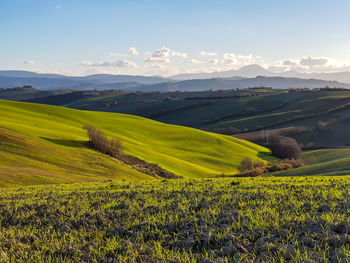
x: 248, y: 76
x: 321, y: 117
x: 324, y: 162
x: 47, y: 144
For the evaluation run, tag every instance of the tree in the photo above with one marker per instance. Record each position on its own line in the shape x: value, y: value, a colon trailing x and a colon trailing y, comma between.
x: 248, y: 164
x: 100, y: 141
x: 284, y: 147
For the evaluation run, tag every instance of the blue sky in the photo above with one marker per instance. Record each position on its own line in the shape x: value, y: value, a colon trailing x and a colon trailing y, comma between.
x: 168, y: 37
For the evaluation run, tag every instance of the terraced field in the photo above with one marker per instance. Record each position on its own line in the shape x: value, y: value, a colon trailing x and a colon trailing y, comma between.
x: 299, y: 219
x: 47, y: 144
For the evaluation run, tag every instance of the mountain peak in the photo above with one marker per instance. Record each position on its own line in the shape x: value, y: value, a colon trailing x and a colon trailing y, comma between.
x: 252, y: 70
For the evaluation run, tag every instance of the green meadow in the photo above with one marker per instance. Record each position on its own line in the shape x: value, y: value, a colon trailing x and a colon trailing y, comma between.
x: 47, y: 144
x: 264, y: 219
x: 331, y: 162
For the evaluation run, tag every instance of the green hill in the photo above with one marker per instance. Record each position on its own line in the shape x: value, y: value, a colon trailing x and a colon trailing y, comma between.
x: 328, y: 162
x: 248, y: 110
x: 47, y: 144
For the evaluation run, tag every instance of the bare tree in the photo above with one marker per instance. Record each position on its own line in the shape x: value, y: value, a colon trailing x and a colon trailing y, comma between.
x: 101, y: 142
x: 284, y: 147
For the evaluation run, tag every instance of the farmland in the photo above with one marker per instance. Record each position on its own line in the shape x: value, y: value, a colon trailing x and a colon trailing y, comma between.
x: 247, y: 110
x: 271, y: 219
x: 43, y: 144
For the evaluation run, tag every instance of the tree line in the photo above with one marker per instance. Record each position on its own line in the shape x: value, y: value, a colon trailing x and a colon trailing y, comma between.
x: 113, y: 147
x: 102, y: 143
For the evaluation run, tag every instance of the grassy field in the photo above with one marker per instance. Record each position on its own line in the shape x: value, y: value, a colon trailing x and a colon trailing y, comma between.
x: 47, y: 144
x: 247, y: 110
x: 266, y: 219
x: 324, y: 162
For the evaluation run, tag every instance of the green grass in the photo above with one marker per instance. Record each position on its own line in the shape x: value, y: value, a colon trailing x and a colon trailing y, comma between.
x: 271, y: 109
x: 329, y: 162
x: 48, y: 144
x: 266, y: 219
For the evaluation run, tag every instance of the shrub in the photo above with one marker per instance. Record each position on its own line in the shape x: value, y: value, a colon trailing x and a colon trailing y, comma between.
x: 248, y: 164
x: 252, y: 173
x: 284, y: 147
x: 250, y: 168
x: 100, y: 141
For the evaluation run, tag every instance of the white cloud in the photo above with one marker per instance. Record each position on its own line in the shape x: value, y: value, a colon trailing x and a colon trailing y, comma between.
x: 230, y: 58
x: 195, y: 61
x: 179, y: 54
x: 87, y: 63
x: 120, y: 64
x: 277, y: 69
x: 312, y: 62
x: 213, y: 61
x: 289, y: 62
x: 157, y: 59
x: 241, y: 60
x: 208, y: 54
x: 313, y: 65
x: 133, y: 51
x: 29, y: 62
x: 125, y: 64
x: 165, y: 52
x: 58, y: 6
x: 158, y: 66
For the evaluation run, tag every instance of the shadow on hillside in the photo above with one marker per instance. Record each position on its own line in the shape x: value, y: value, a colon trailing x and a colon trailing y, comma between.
x: 68, y: 143
x: 267, y: 156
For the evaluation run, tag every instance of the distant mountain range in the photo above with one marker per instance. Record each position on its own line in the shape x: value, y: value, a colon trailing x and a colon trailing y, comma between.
x: 240, y: 83
x: 17, y: 78
x: 255, y: 70
x: 248, y: 76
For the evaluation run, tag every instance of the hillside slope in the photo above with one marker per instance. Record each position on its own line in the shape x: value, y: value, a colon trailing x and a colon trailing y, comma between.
x: 330, y: 162
x: 42, y: 141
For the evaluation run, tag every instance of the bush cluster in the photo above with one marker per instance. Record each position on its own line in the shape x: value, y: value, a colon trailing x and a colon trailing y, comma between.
x: 284, y: 147
x: 100, y: 141
x: 250, y: 168
x: 113, y: 147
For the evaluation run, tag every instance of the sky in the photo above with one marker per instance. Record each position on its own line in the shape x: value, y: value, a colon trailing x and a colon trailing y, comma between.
x: 168, y: 37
